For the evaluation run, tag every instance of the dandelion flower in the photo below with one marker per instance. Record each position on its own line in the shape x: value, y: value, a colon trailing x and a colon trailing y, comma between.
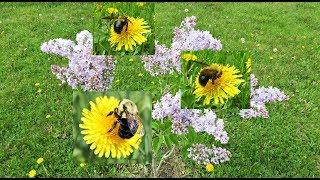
x: 209, y: 167
x: 32, y: 173
x: 83, y: 165
x: 112, y: 10
x: 249, y: 65
x: 140, y: 4
x: 132, y: 35
x: 189, y: 57
x: 96, y: 123
x: 40, y: 160
x: 222, y: 87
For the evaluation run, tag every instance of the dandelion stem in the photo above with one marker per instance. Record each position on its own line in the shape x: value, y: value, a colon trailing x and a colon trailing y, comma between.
x: 45, y: 170
x: 168, y: 154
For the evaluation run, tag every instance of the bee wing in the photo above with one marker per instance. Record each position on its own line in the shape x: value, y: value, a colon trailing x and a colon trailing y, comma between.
x: 140, y: 126
x: 135, y: 124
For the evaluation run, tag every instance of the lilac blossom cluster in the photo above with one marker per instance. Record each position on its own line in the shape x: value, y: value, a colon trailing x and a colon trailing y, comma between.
x: 167, y: 60
x: 259, y: 97
x: 87, y: 71
x: 201, y: 121
x: 204, y: 155
x: 164, y: 61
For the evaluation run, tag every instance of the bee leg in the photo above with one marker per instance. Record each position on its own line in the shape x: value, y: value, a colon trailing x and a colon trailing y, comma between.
x: 113, y: 126
x: 111, y: 112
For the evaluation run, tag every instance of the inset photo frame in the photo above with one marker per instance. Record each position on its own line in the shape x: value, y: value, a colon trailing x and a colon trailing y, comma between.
x: 124, y: 28
x: 113, y: 127
x: 215, y: 79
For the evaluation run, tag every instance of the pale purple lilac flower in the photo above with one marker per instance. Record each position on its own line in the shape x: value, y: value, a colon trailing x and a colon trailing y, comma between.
x: 259, y: 97
x: 206, y: 120
x: 167, y: 60
x: 204, y: 155
x: 87, y: 71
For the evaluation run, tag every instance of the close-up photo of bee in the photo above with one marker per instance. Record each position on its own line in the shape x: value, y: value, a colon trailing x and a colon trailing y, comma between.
x: 215, y: 79
x: 112, y: 127
x: 121, y: 28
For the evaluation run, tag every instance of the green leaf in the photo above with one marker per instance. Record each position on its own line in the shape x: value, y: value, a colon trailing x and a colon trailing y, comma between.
x: 168, y: 141
x: 155, y: 125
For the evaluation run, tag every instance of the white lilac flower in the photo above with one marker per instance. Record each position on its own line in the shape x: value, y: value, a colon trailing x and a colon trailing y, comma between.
x: 259, y: 97
x: 204, y: 155
x: 167, y: 60
x: 87, y: 71
x: 206, y: 120
x: 243, y: 40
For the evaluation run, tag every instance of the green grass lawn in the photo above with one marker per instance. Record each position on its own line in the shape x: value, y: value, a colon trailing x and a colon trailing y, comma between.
x: 285, y: 145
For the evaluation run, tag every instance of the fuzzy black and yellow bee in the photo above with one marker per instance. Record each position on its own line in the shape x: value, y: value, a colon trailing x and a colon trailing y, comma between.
x: 120, y: 23
x: 128, y: 119
x: 209, y: 73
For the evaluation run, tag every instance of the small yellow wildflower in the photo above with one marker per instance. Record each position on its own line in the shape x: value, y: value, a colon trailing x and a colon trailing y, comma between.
x: 271, y: 57
x: 40, y: 160
x: 140, y: 74
x: 83, y: 165
x: 209, y: 167
x: 48, y: 116
x: 32, y: 173
x: 303, y: 47
x: 39, y: 90
x: 189, y: 57
x: 37, y: 84
x: 140, y: 4
x: 112, y: 10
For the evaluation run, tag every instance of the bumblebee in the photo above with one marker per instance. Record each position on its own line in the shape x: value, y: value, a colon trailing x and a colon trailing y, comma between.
x: 128, y: 119
x: 120, y: 23
x: 209, y: 73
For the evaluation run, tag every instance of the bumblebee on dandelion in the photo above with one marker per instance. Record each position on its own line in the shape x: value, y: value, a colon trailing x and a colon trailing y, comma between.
x: 124, y: 28
x: 112, y: 127
x: 210, y: 81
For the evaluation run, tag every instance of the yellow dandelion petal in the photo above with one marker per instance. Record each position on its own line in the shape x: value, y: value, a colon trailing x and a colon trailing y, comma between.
x: 32, y: 173
x: 132, y: 35
x: 189, y: 57
x: 222, y: 88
